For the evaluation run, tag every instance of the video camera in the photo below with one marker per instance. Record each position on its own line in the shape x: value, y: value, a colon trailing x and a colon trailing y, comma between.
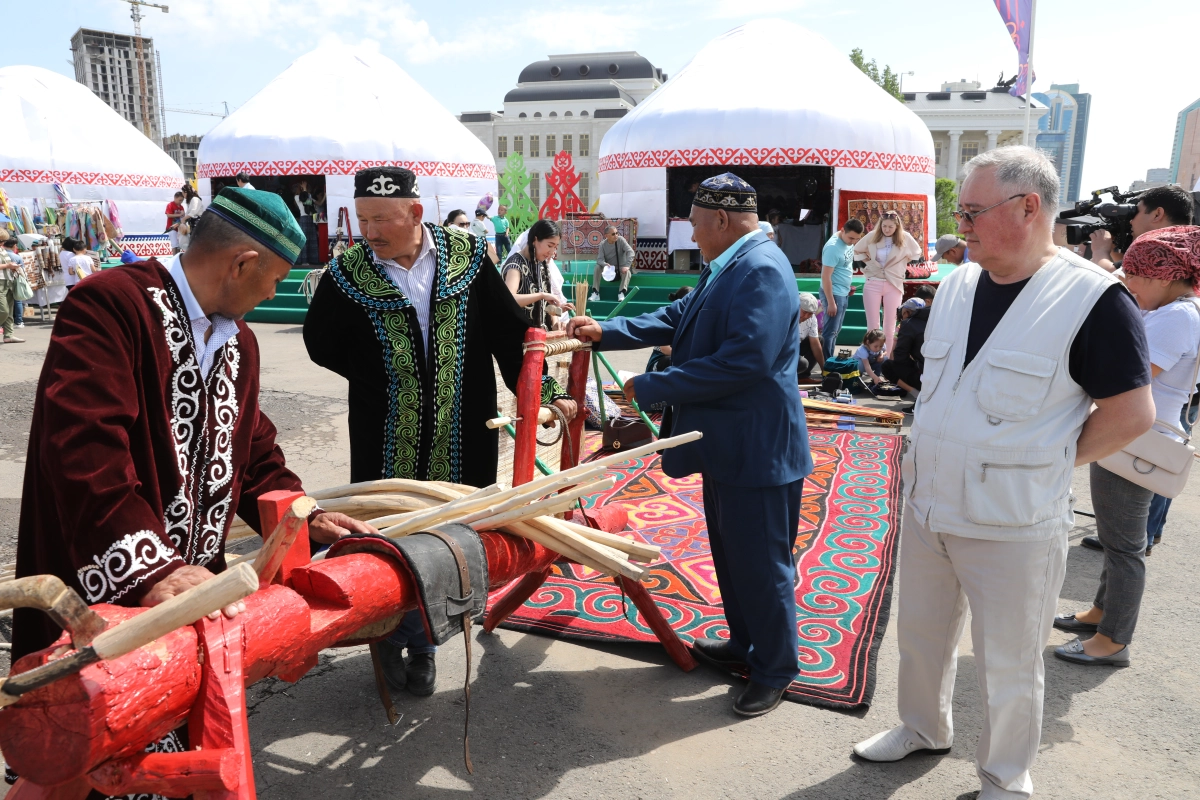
x: 1095, y: 215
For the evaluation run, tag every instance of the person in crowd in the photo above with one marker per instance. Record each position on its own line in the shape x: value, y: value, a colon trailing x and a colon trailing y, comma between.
x: 910, y: 307
x: 412, y: 317
x: 479, y: 228
x: 175, y: 211
x: 18, y: 261
x: 8, y: 285
x: 837, y: 270
x: 617, y: 253
x: 905, y: 366
x: 80, y: 264
x: 734, y: 348
x: 870, y: 356
x: 306, y: 208
x: 65, y: 253
x: 886, y: 251
x: 526, y: 273
x: 457, y: 219
x: 176, y: 334
x: 243, y: 181
x: 1162, y: 269
x: 811, y: 352
x: 193, y: 207
x: 951, y: 249
x: 1023, y: 343
x: 768, y: 229
x: 1160, y: 207
x: 503, y: 242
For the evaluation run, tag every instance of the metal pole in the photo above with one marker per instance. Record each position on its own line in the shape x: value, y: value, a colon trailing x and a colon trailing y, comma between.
x: 1029, y: 75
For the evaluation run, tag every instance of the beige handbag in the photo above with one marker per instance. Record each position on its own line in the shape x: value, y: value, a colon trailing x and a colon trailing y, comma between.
x: 1154, y: 460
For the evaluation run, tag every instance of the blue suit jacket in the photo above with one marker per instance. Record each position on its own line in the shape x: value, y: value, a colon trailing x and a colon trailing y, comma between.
x: 735, y: 345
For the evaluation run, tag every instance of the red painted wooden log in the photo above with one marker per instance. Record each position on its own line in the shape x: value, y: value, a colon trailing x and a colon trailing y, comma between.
x: 61, y: 732
x: 167, y: 773
x: 529, y: 400
x: 572, y: 443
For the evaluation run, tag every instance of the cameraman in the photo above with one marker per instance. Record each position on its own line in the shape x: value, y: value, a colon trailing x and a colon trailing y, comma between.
x: 1160, y: 207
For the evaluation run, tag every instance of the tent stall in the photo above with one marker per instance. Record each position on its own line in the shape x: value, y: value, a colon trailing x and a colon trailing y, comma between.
x: 56, y: 131
x: 784, y: 109
x: 337, y: 110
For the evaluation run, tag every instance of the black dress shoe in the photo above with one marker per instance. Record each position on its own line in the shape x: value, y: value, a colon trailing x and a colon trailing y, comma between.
x: 719, y: 653
x: 758, y: 700
x: 1091, y: 543
x: 421, y: 674
x: 391, y: 658
x: 1067, y: 622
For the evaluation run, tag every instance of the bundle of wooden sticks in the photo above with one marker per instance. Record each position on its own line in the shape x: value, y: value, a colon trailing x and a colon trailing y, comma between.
x: 400, y: 507
x: 824, y: 414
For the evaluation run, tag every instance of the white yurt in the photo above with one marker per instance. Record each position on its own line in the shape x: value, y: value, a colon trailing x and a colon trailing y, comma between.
x: 814, y: 135
x: 57, y: 131
x: 337, y: 110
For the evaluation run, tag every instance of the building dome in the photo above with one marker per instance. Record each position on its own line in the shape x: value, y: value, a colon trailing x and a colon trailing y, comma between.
x: 58, y: 131
x: 590, y: 67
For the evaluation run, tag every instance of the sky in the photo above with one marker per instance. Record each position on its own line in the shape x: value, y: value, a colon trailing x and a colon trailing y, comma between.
x: 1136, y: 59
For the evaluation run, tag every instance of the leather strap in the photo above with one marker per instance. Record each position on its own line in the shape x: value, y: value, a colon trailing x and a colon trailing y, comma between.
x: 464, y: 576
x: 385, y: 695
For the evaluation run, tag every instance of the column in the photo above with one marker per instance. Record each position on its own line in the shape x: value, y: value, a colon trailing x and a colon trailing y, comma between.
x: 952, y: 164
x: 991, y: 140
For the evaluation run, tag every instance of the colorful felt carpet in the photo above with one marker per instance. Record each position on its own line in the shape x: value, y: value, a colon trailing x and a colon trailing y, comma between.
x: 845, y: 549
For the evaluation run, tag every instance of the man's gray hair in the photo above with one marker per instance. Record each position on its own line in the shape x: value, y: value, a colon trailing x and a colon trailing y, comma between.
x: 610, y: 229
x: 1021, y: 169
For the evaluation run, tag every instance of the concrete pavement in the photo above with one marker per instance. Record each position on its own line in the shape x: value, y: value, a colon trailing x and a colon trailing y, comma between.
x: 552, y: 719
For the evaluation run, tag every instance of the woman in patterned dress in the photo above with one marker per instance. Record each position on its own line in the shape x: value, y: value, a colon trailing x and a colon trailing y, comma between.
x: 527, y: 273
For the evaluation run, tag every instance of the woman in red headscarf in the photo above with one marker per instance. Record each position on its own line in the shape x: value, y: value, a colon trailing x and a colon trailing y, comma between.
x: 1162, y: 270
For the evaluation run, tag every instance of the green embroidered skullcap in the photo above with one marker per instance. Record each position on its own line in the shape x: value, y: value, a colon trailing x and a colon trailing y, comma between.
x: 264, y: 217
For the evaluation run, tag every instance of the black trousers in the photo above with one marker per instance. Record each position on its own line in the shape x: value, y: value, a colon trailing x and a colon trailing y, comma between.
x: 896, y: 371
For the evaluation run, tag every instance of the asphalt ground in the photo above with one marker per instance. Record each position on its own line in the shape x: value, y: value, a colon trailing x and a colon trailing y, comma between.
x: 554, y: 719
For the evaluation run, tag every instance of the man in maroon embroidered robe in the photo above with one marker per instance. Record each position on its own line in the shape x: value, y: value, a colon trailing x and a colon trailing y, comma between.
x: 147, y: 436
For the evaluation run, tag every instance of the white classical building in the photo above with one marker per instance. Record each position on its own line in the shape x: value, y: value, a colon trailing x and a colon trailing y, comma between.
x: 566, y: 102
x: 966, y: 121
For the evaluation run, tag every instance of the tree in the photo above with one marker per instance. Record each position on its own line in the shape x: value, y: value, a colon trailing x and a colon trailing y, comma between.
x: 945, y: 194
x: 887, y: 80
x: 514, y: 194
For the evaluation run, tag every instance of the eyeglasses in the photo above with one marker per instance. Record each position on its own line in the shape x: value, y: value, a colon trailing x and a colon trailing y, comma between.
x: 462, y: 224
x: 970, y: 216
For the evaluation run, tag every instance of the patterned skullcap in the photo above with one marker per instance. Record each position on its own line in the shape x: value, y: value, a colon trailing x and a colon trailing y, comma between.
x: 264, y: 217
x: 389, y: 182
x: 726, y: 191
x: 1167, y: 254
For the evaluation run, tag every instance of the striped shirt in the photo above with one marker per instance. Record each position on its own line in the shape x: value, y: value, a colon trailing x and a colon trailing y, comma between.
x: 417, y: 282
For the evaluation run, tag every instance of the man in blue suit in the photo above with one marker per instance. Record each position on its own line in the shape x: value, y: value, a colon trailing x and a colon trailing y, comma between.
x: 734, y: 348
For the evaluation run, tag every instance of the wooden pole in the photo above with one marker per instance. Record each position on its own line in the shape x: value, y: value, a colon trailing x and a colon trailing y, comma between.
x: 529, y: 400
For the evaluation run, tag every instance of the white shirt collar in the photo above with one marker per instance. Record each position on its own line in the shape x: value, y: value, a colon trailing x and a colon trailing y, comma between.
x: 185, y: 290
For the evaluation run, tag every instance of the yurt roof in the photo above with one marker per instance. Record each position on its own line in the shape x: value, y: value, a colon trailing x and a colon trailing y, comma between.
x: 57, y: 131
x: 336, y: 110
x: 770, y: 92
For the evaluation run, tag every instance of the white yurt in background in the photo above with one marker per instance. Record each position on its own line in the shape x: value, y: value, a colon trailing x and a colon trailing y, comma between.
x: 55, y: 130
x: 337, y: 110
x: 781, y: 104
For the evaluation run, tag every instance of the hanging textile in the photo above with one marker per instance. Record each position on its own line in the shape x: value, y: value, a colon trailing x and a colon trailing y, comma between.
x: 115, y: 217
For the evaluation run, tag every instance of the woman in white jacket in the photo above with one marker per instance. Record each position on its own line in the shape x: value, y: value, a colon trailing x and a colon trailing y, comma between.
x: 887, y: 251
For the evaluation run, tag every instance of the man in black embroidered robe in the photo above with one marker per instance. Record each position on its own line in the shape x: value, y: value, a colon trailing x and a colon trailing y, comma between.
x: 412, y: 318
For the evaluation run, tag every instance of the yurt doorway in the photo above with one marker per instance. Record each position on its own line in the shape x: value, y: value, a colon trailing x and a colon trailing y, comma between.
x: 304, y: 195
x: 800, y: 197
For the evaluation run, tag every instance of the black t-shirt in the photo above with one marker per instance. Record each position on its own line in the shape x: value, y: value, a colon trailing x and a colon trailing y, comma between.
x: 1109, y: 355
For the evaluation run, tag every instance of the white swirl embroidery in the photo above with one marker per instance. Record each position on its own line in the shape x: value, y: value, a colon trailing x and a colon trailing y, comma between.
x: 124, y: 565
x: 224, y: 410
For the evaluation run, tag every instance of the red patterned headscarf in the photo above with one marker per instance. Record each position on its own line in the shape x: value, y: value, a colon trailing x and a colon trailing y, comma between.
x: 1167, y: 254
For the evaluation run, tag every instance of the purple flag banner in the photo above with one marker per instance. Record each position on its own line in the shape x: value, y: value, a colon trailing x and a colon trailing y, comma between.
x: 1018, y: 17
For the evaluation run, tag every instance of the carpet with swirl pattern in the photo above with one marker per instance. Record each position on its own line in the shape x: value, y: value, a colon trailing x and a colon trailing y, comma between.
x: 845, y: 552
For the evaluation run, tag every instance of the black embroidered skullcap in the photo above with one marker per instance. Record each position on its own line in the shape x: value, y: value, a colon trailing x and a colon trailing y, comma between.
x: 391, y: 182
x: 726, y: 191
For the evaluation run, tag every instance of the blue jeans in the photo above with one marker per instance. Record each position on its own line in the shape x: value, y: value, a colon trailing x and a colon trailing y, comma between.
x: 833, y: 324
x: 19, y: 313
x: 412, y: 634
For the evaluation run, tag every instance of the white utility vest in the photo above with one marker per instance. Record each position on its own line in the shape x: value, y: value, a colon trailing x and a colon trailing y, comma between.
x: 992, y: 446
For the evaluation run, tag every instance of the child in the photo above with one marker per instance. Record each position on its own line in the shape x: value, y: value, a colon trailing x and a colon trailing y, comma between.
x: 870, y: 356
x: 80, y: 264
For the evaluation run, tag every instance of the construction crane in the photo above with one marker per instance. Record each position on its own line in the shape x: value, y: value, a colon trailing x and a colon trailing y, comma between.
x: 201, y: 113
x: 136, y: 15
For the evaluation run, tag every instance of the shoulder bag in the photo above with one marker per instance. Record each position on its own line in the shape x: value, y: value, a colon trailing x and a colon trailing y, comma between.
x: 1154, y: 460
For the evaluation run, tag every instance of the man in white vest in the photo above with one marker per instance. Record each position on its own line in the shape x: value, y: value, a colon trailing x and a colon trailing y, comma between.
x: 1019, y: 347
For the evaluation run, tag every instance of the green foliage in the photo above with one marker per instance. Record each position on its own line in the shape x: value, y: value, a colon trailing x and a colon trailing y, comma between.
x: 889, y: 81
x: 945, y: 194
x: 514, y: 193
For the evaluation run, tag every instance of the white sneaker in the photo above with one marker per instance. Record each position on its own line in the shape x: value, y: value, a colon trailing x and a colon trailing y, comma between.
x: 594, y: 297
x: 620, y: 296
x: 893, y: 745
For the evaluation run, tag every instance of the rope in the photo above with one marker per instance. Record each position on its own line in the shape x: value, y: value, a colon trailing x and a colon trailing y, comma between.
x: 562, y: 428
x: 558, y: 346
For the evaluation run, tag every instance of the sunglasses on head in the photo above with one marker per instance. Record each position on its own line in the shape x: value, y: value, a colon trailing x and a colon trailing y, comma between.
x: 890, y: 215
